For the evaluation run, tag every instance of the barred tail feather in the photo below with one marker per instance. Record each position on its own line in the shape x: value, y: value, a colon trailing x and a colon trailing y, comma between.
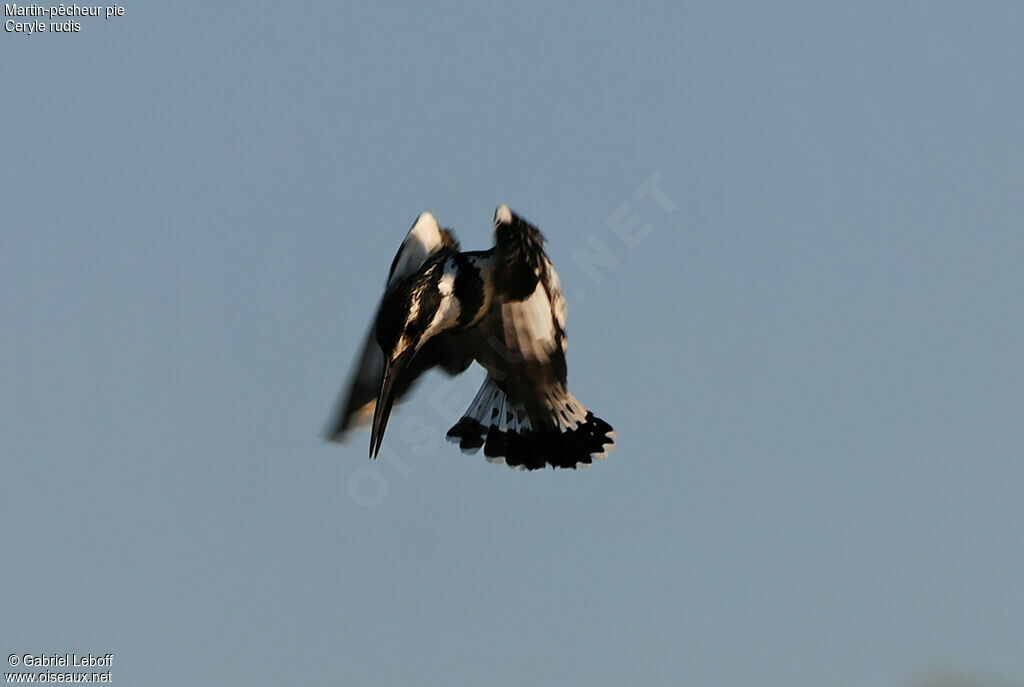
x: 470, y: 432
x: 558, y: 431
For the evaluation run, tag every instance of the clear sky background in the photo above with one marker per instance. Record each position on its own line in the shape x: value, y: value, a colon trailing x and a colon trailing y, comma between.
x: 813, y: 360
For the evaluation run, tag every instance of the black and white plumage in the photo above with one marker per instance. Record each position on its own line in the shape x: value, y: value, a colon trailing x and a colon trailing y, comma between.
x: 502, y: 307
x: 356, y: 407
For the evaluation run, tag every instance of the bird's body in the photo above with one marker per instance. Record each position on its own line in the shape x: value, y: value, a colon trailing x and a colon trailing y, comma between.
x: 502, y: 307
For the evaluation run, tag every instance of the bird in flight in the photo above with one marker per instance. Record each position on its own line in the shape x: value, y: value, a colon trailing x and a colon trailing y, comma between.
x: 501, y: 307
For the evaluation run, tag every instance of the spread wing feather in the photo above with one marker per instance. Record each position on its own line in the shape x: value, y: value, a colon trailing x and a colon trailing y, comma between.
x: 527, y: 320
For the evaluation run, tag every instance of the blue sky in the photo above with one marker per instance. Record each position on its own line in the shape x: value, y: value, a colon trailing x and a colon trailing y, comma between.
x: 812, y: 359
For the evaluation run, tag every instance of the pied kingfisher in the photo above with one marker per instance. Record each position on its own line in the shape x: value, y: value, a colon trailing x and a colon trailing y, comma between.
x: 502, y: 307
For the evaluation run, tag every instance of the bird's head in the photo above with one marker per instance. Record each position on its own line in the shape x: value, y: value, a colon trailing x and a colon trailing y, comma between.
x: 404, y: 324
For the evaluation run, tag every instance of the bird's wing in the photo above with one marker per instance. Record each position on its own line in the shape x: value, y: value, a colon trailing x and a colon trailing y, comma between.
x: 425, y: 238
x: 524, y: 413
x: 523, y: 335
x: 355, y: 407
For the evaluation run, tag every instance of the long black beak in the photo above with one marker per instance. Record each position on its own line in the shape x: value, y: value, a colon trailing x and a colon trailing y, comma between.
x: 393, y: 370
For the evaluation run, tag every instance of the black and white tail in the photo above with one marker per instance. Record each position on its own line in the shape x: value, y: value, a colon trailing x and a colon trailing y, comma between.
x: 558, y: 430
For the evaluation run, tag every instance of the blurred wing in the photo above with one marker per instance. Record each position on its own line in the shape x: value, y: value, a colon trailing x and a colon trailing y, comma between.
x: 355, y: 407
x: 425, y: 238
